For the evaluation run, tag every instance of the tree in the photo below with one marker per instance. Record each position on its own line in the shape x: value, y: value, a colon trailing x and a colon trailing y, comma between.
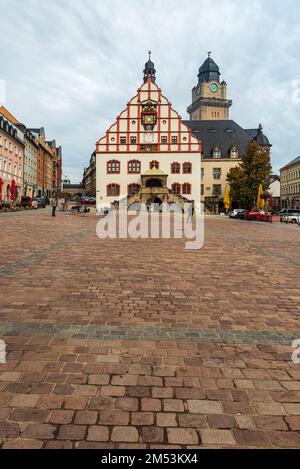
x: 254, y: 169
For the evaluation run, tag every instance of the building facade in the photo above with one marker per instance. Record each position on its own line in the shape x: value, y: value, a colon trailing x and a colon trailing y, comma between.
x: 89, y: 177
x: 223, y: 140
x: 148, y: 155
x: 45, y: 164
x: 290, y: 184
x: 42, y: 164
x: 56, y: 183
x: 11, y: 159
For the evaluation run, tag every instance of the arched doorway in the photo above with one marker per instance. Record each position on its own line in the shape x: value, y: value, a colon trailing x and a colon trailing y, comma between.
x: 154, y: 183
x: 154, y: 204
x: 8, y: 191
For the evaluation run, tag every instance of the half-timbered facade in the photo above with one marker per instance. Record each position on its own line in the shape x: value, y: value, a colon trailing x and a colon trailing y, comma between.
x: 148, y: 139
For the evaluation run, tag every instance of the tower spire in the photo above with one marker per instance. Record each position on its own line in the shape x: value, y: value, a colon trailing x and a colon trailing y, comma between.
x: 149, y: 70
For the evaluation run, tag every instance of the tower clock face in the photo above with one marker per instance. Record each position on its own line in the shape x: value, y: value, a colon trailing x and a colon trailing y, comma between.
x: 214, y: 88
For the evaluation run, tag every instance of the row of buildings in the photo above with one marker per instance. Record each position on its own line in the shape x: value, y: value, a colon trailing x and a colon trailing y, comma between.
x: 28, y: 161
x: 188, y: 158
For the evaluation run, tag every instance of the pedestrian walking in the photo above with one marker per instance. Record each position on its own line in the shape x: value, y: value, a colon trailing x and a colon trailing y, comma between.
x: 54, y: 204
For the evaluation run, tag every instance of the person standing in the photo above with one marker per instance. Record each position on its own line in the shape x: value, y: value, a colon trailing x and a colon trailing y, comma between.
x: 54, y: 204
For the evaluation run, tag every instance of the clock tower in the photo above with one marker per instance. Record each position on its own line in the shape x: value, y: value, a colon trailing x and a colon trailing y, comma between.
x: 209, y: 96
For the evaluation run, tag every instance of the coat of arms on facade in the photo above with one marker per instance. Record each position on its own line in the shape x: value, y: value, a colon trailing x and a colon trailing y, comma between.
x: 149, y: 115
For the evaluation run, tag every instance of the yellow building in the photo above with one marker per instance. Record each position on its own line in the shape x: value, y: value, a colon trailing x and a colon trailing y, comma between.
x: 290, y: 184
x: 223, y: 140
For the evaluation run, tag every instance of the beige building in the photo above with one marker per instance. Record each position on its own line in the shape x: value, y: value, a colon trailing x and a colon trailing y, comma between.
x: 290, y: 184
x: 89, y: 177
x: 148, y: 155
x: 223, y: 140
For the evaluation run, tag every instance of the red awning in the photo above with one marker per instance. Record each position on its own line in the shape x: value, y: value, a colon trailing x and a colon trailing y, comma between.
x: 12, y: 189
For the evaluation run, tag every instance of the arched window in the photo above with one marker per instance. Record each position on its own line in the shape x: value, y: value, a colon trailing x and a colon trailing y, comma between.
x: 134, y: 167
x: 175, y: 168
x: 113, y: 167
x: 132, y: 188
x: 234, y: 153
x: 112, y: 190
x: 176, y: 188
x: 216, y: 152
x: 154, y: 165
x: 187, y: 168
x: 186, y: 188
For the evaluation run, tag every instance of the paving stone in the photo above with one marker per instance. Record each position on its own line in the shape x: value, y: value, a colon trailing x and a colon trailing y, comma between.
x: 268, y: 422
x: 217, y: 437
x: 39, y: 431
x: 182, y: 436
x: 251, y: 437
x: 125, y: 434
x: 98, y: 433
x: 204, y: 407
x: 152, y: 435
x: 71, y: 432
x: 285, y: 439
x: 220, y: 421
x: 166, y: 420
x: 142, y: 418
x: 192, y: 420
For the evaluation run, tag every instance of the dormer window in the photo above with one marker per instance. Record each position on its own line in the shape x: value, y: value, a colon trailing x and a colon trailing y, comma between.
x: 234, y: 153
x: 216, y: 152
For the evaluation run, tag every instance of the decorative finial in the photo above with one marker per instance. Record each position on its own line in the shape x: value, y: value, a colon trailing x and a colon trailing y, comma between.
x: 209, y: 53
x: 149, y: 52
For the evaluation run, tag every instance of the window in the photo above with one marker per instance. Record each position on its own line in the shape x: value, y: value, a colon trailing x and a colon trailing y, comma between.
x: 216, y: 152
x: 186, y: 188
x: 176, y: 188
x: 154, y: 165
x: 132, y: 188
x: 123, y: 140
x: 202, y: 189
x: 113, y: 190
x: 234, y: 153
x: 148, y: 147
x: 217, y: 173
x: 187, y: 168
x: 174, y: 140
x: 175, y: 168
x: 133, y: 140
x: 134, y: 167
x: 113, y: 167
x: 202, y: 173
x: 217, y: 189
x: 164, y: 140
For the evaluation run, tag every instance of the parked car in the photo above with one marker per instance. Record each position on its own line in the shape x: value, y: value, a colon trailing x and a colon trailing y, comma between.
x: 87, y: 200
x: 293, y: 217
x: 289, y: 211
x: 257, y: 216
x: 40, y: 201
x: 237, y: 212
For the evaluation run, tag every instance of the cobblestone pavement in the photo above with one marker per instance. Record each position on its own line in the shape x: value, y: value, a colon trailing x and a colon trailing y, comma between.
x: 122, y: 343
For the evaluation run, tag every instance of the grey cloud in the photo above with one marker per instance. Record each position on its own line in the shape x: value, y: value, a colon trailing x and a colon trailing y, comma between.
x: 72, y: 65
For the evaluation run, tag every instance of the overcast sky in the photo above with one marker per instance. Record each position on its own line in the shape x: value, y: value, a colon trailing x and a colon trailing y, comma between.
x: 72, y: 65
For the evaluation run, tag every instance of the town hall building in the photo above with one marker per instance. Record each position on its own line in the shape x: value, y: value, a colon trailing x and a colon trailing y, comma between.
x: 148, y: 155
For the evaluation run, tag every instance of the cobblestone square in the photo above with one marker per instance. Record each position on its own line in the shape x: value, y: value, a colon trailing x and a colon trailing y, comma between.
x: 142, y: 344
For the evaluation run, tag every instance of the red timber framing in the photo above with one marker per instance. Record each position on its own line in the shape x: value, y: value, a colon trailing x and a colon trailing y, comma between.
x: 183, y: 134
